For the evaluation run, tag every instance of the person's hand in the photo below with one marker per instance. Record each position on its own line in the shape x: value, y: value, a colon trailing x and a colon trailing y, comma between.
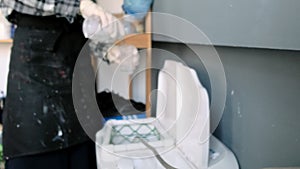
x: 109, y: 23
x: 89, y: 8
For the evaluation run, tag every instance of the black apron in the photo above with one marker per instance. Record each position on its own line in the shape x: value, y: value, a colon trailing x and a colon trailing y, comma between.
x: 39, y: 115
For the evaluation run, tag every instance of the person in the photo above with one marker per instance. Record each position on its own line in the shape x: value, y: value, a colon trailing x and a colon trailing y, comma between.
x: 40, y: 127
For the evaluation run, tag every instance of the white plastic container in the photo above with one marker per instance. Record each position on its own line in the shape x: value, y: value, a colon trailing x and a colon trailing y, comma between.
x: 179, y: 134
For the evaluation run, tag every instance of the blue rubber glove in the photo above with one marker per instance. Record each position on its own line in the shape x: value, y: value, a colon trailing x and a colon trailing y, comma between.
x: 137, y: 8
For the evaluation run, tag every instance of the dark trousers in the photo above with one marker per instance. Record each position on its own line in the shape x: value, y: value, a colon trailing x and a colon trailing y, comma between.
x: 77, y: 157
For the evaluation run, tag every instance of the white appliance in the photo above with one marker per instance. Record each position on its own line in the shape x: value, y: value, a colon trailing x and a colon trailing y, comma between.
x: 220, y: 156
x: 177, y: 138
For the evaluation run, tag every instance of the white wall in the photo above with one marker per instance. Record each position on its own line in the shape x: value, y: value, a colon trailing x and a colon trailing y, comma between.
x: 114, y: 6
x: 4, y: 62
x: 112, y: 78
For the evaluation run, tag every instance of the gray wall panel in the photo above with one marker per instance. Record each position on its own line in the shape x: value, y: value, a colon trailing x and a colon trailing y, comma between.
x: 260, y: 123
x: 247, y: 23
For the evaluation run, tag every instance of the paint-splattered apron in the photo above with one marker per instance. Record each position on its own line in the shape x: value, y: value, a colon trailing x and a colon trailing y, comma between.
x: 39, y: 114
